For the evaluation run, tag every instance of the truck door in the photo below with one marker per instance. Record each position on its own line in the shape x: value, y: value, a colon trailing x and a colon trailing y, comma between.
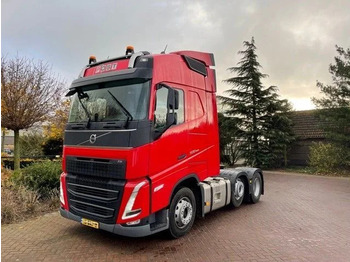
x: 169, y: 152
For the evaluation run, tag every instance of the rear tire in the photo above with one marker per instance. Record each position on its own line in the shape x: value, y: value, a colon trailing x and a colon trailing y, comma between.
x: 237, y: 193
x: 182, y: 213
x: 256, y: 188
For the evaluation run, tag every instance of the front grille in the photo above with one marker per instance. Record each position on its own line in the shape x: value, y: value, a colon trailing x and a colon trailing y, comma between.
x: 108, y: 168
x: 91, y: 209
x: 94, y: 198
x: 93, y: 192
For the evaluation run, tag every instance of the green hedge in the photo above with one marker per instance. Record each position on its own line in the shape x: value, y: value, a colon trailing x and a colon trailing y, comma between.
x: 8, y: 163
x: 42, y: 177
x: 327, y: 157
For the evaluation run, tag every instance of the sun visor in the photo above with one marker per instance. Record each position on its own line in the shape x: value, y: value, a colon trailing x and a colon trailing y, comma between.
x: 133, y: 73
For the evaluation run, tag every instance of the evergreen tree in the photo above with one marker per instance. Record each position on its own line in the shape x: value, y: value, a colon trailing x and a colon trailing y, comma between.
x: 229, y: 149
x: 335, y: 104
x: 265, y: 128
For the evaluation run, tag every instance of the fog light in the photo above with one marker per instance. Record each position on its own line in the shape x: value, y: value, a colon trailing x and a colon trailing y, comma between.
x: 132, y: 223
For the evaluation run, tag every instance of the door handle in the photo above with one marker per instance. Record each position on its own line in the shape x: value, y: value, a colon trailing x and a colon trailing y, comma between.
x: 180, y: 157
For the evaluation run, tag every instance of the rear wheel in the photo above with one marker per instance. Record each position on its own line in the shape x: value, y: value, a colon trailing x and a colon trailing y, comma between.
x: 238, y: 192
x: 182, y: 212
x: 256, y: 188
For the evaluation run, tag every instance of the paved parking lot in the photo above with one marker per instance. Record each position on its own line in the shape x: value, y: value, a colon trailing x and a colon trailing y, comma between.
x: 300, y: 218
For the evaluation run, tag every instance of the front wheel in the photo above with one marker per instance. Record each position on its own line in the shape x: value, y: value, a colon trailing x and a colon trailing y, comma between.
x: 182, y: 212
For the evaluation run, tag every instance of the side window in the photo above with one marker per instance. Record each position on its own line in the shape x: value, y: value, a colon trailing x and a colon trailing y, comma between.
x: 161, y: 108
x: 180, y: 111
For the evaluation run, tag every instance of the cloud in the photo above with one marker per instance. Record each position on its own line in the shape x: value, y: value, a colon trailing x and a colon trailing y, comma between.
x: 295, y: 39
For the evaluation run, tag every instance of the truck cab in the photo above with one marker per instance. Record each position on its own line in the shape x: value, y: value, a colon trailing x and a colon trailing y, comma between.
x: 140, y: 143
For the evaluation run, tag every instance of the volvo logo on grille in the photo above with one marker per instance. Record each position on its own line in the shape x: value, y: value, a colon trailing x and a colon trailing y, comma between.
x: 93, y: 138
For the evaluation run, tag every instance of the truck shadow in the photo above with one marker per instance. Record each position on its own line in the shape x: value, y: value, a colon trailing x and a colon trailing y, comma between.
x: 157, y: 244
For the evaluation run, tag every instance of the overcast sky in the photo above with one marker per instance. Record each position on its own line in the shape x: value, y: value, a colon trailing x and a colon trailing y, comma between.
x: 295, y: 39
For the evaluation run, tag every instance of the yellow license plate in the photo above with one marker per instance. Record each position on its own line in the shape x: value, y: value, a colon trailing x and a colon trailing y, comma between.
x: 90, y: 223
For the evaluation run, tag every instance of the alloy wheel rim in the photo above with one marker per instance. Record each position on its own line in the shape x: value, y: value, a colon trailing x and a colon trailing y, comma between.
x: 256, y: 187
x: 183, y: 212
x: 239, y: 189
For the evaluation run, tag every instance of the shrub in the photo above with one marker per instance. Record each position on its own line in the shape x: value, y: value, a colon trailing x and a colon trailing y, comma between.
x: 5, y: 173
x: 42, y: 177
x: 31, y: 144
x: 8, y: 162
x: 4, y: 154
x: 19, y: 203
x: 53, y: 146
x: 326, y: 157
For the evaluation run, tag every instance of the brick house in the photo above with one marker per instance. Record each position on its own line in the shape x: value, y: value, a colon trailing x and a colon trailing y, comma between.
x: 307, y: 130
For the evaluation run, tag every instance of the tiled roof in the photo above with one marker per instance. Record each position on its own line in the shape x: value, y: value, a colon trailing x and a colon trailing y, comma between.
x: 307, y: 124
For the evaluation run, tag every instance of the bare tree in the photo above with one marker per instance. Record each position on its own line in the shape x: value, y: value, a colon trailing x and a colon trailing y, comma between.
x: 29, y: 93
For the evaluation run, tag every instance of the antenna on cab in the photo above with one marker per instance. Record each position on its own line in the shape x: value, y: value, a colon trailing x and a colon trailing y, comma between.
x: 163, y: 52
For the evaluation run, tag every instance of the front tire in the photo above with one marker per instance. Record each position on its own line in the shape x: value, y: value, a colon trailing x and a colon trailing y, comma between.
x: 182, y: 212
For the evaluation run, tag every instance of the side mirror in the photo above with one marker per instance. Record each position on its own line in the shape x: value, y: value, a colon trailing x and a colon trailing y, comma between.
x: 171, y: 119
x: 172, y: 105
x: 173, y: 99
x: 176, y: 99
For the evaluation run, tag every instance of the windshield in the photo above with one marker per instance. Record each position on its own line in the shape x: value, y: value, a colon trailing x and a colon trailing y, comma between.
x: 110, y: 102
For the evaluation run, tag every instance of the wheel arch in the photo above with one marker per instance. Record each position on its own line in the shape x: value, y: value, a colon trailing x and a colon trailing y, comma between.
x: 191, y: 181
x: 250, y: 171
x: 234, y: 173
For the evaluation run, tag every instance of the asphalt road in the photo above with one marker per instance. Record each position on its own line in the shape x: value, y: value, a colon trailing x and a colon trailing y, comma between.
x: 300, y: 218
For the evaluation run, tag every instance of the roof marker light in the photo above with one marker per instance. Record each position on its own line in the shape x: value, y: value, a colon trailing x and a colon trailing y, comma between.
x: 129, y: 50
x: 92, y: 59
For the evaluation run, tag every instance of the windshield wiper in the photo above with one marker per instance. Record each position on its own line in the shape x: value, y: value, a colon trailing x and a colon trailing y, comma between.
x: 124, y: 110
x: 82, y: 95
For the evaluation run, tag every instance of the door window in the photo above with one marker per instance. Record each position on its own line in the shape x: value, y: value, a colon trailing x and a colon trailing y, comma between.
x: 160, y: 113
x: 161, y: 109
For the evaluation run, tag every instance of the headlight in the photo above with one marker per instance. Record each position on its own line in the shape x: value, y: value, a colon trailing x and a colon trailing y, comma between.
x: 129, y: 212
x: 61, y: 194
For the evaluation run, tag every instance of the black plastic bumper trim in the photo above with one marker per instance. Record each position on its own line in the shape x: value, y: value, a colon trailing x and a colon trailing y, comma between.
x: 134, y: 231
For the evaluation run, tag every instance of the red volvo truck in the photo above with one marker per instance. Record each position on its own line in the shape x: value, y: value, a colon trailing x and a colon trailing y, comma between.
x: 141, y: 146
